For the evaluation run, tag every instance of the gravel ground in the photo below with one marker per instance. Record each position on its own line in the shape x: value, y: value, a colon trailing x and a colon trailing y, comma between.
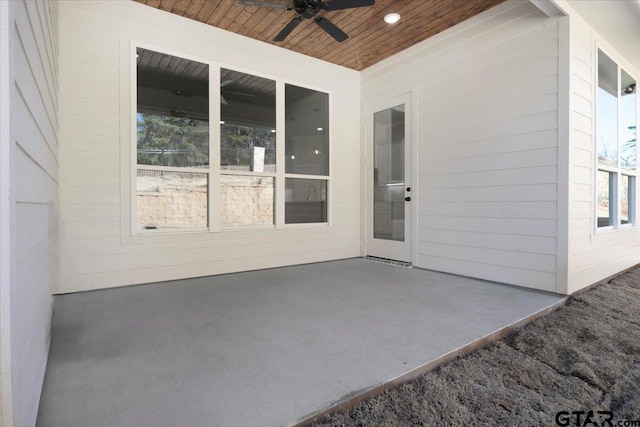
x: 584, y: 356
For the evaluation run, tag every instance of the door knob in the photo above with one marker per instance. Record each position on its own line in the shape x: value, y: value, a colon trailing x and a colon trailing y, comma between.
x: 407, y: 199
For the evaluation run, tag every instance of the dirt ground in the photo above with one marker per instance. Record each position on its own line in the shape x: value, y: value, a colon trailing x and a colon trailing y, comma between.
x: 584, y: 356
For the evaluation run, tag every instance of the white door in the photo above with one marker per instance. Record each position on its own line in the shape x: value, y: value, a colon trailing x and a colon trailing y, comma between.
x: 389, y: 180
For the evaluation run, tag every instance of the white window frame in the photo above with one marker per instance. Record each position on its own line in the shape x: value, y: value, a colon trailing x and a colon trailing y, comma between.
x: 132, y: 233
x: 275, y: 175
x: 211, y: 171
x: 617, y: 171
x: 291, y: 175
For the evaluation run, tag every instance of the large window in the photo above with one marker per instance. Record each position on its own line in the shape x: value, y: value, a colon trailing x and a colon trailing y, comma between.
x: 172, y: 173
x: 247, y: 149
x: 190, y: 176
x: 616, y: 145
x: 307, y: 155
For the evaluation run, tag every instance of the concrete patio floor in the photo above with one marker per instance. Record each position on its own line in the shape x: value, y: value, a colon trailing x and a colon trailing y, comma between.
x: 260, y: 348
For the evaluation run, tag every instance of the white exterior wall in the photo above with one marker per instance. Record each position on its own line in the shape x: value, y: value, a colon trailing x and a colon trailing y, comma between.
x: 487, y: 132
x: 97, y: 249
x: 29, y: 203
x: 593, y: 256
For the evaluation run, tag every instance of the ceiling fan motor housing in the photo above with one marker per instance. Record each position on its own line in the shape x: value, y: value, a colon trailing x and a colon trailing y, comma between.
x: 307, y: 8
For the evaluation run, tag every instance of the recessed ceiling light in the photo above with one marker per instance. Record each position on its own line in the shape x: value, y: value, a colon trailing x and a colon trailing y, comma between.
x: 221, y: 122
x: 391, y: 18
x: 319, y: 129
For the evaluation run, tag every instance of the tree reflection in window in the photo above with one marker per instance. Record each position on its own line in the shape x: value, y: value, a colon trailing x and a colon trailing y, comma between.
x: 172, y: 141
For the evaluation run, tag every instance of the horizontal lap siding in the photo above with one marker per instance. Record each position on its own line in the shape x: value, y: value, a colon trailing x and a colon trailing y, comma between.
x: 36, y: 166
x: 95, y: 255
x: 487, y: 189
x: 592, y: 256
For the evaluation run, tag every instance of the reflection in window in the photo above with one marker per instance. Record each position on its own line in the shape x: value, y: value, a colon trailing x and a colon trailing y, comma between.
x: 164, y: 140
x: 305, y: 200
x: 607, y: 110
x: 616, y: 114
x: 248, y: 122
x: 168, y: 200
x: 627, y: 204
x: 246, y: 200
x: 306, y: 131
x: 628, y: 119
x: 605, y: 190
x: 172, y: 132
x: 388, y: 174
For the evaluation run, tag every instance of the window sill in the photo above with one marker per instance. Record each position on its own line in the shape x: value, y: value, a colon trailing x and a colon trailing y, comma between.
x: 205, y: 235
x: 307, y: 225
x: 612, y: 234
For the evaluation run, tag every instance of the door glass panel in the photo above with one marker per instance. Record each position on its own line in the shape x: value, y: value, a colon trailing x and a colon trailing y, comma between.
x: 388, y: 174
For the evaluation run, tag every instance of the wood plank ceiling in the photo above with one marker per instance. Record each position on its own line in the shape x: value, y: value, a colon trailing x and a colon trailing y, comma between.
x: 370, y: 39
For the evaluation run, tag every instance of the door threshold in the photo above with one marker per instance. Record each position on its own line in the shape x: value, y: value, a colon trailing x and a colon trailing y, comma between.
x: 403, y: 264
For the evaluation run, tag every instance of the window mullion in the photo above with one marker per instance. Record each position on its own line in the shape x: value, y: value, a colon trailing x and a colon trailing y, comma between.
x: 617, y: 183
x: 214, y: 148
x: 280, y: 155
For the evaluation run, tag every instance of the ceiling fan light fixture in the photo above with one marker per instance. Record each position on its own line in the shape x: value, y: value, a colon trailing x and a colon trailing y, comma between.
x: 391, y: 18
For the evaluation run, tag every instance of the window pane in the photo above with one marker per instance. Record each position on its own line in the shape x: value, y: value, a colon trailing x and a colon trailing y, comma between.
x: 306, y: 131
x: 173, y: 110
x: 628, y: 121
x: 248, y: 122
x: 605, y: 191
x: 607, y: 114
x: 246, y: 200
x: 171, y: 200
x: 388, y: 174
x: 172, y: 141
x: 626, y: 199
x: 305, y: 200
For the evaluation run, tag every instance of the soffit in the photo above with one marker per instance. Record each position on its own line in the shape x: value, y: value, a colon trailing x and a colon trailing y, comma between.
x: 618, y: 22
x: 370, y: 40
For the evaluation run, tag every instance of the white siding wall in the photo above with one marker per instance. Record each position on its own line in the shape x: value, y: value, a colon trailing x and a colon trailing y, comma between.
x: 487, y: 131
x: 592, y: 257
x: 31, y: 201
x: 96, y: 252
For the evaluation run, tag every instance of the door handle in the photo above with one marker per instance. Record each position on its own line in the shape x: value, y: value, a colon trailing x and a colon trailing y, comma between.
x: 407, y: 199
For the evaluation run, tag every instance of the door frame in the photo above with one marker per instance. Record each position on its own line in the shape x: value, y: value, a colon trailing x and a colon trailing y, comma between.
x: 369, y: 247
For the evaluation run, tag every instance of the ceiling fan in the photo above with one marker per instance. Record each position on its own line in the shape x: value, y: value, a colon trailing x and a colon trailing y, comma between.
x: 224, y: 90
x: 177, y: 112
x: 307, y: 9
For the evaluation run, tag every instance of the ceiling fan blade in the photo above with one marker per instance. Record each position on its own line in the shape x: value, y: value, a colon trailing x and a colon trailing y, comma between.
x: 250, y: 95
x: 330, y: 28
x: 287, y: 30
x: 346, y: 4
x: 263, y: 4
